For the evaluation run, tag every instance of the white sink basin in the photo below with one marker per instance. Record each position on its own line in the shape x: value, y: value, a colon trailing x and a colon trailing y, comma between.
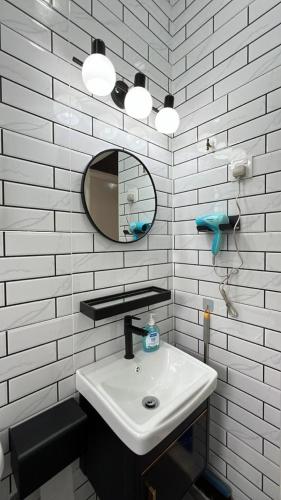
x: 116, y: 387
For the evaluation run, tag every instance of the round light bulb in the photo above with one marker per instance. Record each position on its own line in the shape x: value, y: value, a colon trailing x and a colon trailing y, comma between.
x: 167, y: 120
x: 98, y: 74
x: 138, y: 103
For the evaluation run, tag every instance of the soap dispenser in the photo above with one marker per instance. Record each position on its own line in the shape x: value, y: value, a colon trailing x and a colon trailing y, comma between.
x: 152, y: 340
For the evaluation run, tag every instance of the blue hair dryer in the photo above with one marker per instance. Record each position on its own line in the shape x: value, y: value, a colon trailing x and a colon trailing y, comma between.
x: 212, y: 223
x: 139, y: 228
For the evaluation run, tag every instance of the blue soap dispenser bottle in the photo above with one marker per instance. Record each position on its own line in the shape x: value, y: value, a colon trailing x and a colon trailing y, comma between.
x: 152, y: 340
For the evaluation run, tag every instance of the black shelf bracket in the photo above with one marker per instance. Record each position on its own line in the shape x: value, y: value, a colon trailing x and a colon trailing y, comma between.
x: 224, y: 227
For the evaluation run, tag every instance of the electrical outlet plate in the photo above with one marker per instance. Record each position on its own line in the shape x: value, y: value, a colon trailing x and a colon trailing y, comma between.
x: 249, y: 169
x: 208, y: 303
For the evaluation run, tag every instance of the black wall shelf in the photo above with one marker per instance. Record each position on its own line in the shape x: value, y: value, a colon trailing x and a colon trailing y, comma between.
x: 111, y: 305
x: 45, y: 444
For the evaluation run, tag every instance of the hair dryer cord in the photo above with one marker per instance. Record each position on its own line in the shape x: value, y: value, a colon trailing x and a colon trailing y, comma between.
x: 235, y: 269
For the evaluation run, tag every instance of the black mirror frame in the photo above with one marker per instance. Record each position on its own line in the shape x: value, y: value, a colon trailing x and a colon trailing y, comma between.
x: 84, y: 200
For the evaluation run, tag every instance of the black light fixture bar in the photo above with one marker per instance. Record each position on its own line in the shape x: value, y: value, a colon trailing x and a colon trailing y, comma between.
x: 121, y: 88
x: 139, y: 80
x: 77, y: 61
x: 169, y: 101
x: 98, y: 46
x: 119, y: 93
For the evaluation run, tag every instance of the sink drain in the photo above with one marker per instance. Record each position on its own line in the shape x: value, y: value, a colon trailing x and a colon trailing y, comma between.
x: 150, y: 402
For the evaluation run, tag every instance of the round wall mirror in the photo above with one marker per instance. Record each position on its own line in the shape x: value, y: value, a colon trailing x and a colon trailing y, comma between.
x: 119, y: 196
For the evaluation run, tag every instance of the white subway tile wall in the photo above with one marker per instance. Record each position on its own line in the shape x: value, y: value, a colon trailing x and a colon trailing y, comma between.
x: 222, y: 60
x: 51, y: 257
x: 226, y: 73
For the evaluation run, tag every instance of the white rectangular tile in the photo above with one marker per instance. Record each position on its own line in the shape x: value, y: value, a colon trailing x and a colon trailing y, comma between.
x: 105, y: 279
x: 87, y: 104
x: 30, y: 77
x: 24, y: 99
x: 266, y: 42
x: 272, y: 377
x: 196, y: 181
x: 247, y: 73
x: 272, y: 452
x: 25, y: 243
x: 225, y: 32
x: 26, y: 314
x: 16, y: 268
x: 258, y: 8
x: 16, y: 364
x: 246, y: 486
x: 258, y: 389
x: 31, y: 149
x: 274, y: 100
x: 255, y: 352
x: 272, y: 489
x: 25, y: 123
x: 68, y: 181
x: 24, y: 24
x: 256, y: 424
x: 37, y: 197
x: 237, y: 429
x: 145, y: 257
x: 3, y: 394
x: 28, y: 406
x: 203, y: 114
x: 43, y: 332
x: 229, y: 190
x: 273, y: 141
x: 140, y: 12
x: 233, y: 118
x: 251, y: 456
x: 272, y: 415
x: 186, y: 342
x: 272, y: 222
x: 51, y: 18
x: 237, y: 462
x: 88, y: 262
x: 237, y: 362
x: 65, y: 221
x: 22, y: 219
x: 115, y: 6
x: 195, y: 72
x: 38, y: 379
x: 45, y: 61
x: 249, y: 34
x: 273, y: 340
x: 183, y: 45
x: 27, y: 290
x: 255, y: 88
x: 16, y: 170
x: 266, y: 163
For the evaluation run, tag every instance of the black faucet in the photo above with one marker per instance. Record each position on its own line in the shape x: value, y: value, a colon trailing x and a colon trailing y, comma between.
x: 129, y: 329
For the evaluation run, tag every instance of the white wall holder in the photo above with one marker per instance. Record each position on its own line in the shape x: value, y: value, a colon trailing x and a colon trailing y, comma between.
x: 240, y: 169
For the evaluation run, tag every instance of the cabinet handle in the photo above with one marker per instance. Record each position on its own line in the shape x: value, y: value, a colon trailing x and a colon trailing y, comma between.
x: 152, y: 493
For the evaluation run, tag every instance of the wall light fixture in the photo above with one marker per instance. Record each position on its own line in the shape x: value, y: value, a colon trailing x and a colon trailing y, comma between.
x: 98, y: 72
x: 99, y: 77
x: 138, y: 101
x: 167, y: 119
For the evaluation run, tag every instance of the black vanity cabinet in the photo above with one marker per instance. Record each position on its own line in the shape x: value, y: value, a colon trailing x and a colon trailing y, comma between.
x: 165, y: 473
